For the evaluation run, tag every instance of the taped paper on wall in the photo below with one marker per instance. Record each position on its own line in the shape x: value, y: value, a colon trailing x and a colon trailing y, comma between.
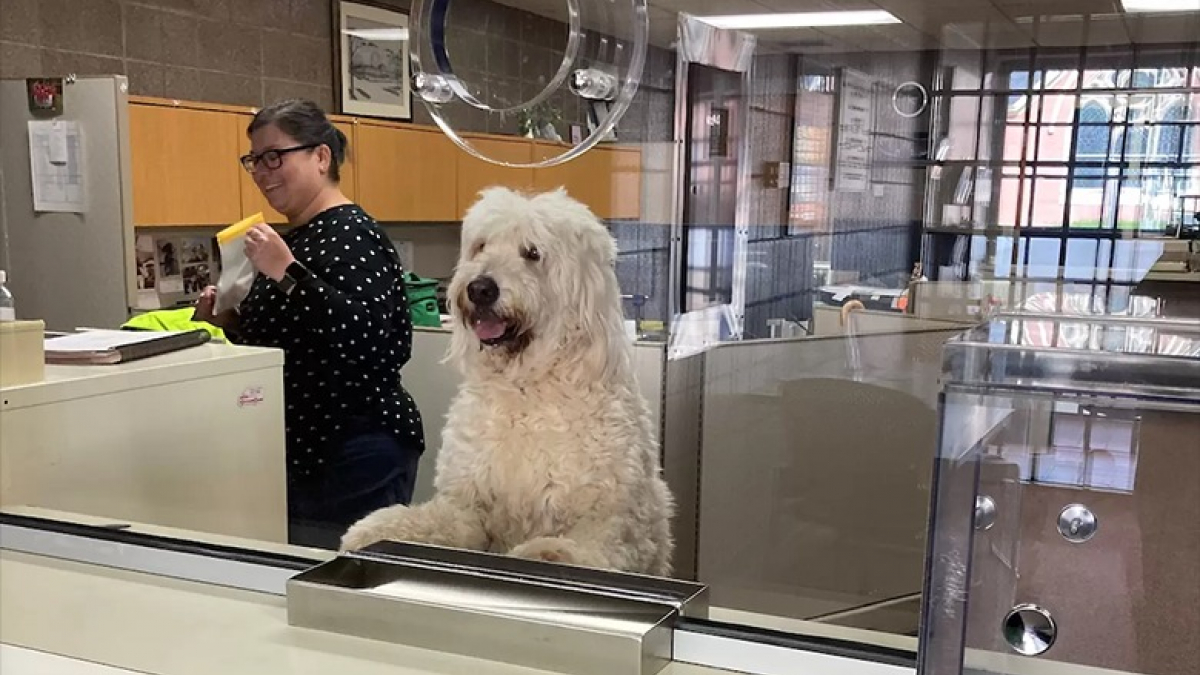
x: 56, y: 165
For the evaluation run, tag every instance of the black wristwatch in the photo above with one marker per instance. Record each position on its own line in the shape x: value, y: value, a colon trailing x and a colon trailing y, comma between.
x: 294, y: 274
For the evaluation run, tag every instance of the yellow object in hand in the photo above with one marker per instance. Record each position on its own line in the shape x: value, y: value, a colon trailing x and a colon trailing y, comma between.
x: 239, y: 228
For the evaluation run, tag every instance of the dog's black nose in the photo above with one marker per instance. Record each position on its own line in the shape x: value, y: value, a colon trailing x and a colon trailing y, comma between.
x: 483, y: 291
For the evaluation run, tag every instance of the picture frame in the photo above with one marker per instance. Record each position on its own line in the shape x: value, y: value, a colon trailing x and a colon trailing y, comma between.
x: 371, y: 60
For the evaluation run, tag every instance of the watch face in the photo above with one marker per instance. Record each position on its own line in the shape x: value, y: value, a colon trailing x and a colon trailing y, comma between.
x: 297, y: 271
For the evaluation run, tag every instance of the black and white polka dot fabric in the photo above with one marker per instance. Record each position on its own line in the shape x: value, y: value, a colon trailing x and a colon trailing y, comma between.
x: 345, y: 332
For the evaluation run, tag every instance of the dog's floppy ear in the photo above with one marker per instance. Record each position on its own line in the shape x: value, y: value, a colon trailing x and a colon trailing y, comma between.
x: 598, y: 315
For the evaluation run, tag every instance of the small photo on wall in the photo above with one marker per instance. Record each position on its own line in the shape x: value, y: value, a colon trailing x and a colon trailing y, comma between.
x: 196, y: 250
x: 195, y: 278
x: 168, y: 258
x: 147, y: 269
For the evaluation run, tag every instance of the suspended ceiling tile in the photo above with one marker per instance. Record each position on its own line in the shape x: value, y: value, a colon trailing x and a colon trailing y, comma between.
x: 712, y: 7
x: 879, y: 38
x: 933, y: 20
x: 1021, y: 8
x: 1163, y: 28
x: 992, y: 32
x: 905, y: 36
x: 818, y: 5
x: 1062, y: 32
x: 800, y: 40
x: 1107, y: 30
x: 663, y: 27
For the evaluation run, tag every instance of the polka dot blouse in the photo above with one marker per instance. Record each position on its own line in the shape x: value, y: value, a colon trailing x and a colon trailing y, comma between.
x: 345, y: 332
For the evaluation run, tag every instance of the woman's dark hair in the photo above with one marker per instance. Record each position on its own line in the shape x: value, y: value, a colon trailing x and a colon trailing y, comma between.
x: 304, y: 121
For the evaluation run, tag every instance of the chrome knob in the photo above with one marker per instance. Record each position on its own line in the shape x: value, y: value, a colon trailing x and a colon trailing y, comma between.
x: 1077, y: 523
x: 985, y: 512
x: 433, y: 88
x: 593, y: 84
x: 1029, y: 630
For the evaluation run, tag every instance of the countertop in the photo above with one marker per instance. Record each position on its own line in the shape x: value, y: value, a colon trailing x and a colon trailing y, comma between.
x: 163, y: 626
x: 206, y: 360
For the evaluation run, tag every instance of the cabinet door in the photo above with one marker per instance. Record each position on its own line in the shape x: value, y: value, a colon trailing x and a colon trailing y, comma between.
x: 475, y: 174
x: 405, y: 174
x: 252, y: 198
x: 626, y: 184
x: 607, y: 180
x: 185, y: 169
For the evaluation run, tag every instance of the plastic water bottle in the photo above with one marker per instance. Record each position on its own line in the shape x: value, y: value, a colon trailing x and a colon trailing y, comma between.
x: 8, y: 308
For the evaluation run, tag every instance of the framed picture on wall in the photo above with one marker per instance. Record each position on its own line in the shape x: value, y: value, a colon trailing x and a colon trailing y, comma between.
x: 371, y: 60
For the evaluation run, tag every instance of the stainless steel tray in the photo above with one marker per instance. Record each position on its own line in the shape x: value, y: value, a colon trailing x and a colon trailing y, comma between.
x: 529, y: 613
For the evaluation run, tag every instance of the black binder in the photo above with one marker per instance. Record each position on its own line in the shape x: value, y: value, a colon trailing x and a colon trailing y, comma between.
x: 107, y: 347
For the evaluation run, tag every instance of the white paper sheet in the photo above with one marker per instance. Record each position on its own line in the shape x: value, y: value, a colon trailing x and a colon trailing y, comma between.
x: 56, y: 163
x: 98, y: 340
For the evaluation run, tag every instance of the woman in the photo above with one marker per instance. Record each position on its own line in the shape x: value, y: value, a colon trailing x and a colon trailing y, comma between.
x: 331, y: 294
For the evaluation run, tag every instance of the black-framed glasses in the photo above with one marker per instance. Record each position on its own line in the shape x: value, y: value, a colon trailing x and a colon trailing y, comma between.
x: 272, y: 159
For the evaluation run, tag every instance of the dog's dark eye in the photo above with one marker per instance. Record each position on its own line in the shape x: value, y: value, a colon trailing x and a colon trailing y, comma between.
x: 531, y: 253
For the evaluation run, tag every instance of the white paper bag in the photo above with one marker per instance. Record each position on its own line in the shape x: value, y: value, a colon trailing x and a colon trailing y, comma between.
x: 237, y: 272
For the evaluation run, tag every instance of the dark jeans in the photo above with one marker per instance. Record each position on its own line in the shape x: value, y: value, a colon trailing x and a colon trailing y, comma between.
x: 373, y: 471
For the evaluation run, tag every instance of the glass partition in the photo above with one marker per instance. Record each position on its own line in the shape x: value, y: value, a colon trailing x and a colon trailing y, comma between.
x: 805, y: 209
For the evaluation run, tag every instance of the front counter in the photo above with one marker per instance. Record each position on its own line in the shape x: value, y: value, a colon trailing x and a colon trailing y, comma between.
x: 193, y: 439
x: 146, y: 624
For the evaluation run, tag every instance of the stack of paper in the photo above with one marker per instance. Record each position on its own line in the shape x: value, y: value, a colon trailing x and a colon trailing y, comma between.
x: 118, y: 346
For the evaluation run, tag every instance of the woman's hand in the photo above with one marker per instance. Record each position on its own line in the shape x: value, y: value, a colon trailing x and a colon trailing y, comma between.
x: 205, y: 304
x: 268, y: 252
x: 203, y: 311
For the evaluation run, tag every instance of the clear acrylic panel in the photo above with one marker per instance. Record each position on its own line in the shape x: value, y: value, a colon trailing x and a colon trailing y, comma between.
x: 594, y: 65
x: 1067, y: 444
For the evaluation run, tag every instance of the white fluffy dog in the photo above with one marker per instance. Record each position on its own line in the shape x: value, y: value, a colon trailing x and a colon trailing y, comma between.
x: 547, y: 452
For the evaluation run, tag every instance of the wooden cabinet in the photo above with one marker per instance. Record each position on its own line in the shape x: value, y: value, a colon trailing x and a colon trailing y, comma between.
x: 406, y: 174
x: 252, y: 199
x: 607, y: 179
x: 625, y: 181
x: 185, y: 169
x: 474, y: 174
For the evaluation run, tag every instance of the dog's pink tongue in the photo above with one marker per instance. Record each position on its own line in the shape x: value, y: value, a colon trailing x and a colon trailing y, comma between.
x: 489, y: 329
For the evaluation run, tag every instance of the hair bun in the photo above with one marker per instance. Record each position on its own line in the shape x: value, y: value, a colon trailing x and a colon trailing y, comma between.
x: 343, y: 144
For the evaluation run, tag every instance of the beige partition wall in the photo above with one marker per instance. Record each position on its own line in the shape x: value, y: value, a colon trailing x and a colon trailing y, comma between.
x: 815, y: 466
x: 682, y: 426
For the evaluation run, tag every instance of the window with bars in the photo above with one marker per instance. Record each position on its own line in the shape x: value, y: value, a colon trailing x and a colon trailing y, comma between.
x: 1099, y: 148
x: 1062, y: 163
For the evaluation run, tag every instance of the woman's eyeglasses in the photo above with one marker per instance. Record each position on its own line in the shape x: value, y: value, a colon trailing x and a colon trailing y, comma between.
x: 272, y: 159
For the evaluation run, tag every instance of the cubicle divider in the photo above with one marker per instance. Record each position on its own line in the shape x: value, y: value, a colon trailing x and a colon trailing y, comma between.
x: 815, y: 459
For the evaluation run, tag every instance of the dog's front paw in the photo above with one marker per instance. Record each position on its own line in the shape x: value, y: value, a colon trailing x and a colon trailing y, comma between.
x: 388, y: 524
x: 550, y: 549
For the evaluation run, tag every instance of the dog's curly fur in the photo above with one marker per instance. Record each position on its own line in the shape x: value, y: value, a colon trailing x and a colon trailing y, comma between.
x: 548, y: 451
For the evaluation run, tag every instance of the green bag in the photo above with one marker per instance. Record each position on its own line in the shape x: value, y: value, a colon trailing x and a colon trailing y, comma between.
x: 422, y: 301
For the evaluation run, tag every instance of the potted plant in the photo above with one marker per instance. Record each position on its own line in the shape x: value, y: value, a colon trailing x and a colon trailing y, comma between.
x: 539, y: 121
